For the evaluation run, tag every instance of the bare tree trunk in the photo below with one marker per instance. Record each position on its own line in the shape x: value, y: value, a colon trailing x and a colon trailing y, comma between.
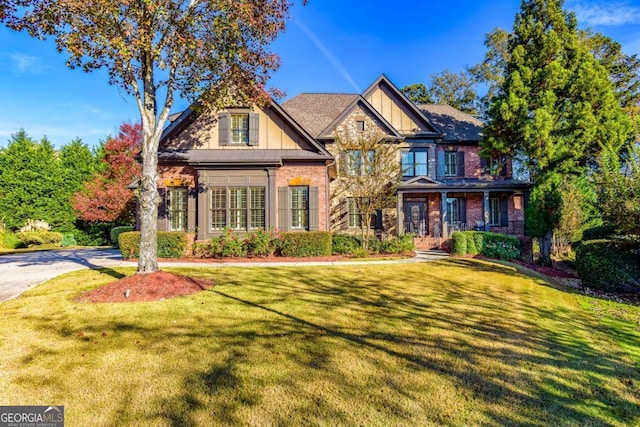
x: 545, y: 248
x: 149, y: 199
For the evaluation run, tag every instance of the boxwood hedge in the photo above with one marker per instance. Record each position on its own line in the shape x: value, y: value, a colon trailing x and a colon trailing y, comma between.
x: 171, y: 244
x: 493, y: 245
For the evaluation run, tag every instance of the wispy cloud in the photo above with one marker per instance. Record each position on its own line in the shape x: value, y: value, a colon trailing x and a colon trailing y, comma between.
x: 335, y: 62
x: 26, y: 64
x: 605, y: 13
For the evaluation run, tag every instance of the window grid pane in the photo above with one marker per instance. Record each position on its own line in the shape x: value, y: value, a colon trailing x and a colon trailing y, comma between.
x: 177, y: 209
x: 257, y: 207
x: 300, y: 207
x: 494, y: 211
x: 452, y: 211
x: 450, y: 166
x: 354, y: 215
x: 218, y: 208
x: 240, y: 128
x: 237, y: 208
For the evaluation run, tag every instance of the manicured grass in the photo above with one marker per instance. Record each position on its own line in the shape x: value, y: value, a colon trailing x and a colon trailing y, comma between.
x: 453, y: 342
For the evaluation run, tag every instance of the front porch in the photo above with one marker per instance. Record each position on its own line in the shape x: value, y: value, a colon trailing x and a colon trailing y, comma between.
x: 434, y: 216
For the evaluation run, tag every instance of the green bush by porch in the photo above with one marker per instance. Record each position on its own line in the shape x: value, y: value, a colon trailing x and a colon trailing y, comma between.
x: 492, y: 245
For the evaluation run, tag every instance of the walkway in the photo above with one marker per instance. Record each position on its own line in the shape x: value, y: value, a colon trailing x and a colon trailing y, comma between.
x: 20, y: 272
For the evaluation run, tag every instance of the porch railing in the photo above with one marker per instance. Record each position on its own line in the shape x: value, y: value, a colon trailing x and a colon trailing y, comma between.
x: 422, y: 228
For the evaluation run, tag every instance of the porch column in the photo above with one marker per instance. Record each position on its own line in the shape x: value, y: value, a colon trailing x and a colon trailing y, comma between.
x: 486, y: 211
x: 443, y: 214
x: 399, y: 214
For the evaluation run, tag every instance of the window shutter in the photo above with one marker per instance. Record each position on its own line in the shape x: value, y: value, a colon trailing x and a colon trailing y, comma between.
x: 344, y: 214
x: 314, y: 211
x: 163, y: 210
x: 440, y: 164
x: 462, y: 209
x: 254, y: 126
x: 224, y: 133
x: 283, y: 209
x: 191, y: 209
x: 460, y: 164
x: 378, y: 225
x: 504, y: 212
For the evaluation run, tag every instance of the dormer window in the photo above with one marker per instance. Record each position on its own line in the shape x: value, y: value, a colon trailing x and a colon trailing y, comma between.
x: 239, y: 128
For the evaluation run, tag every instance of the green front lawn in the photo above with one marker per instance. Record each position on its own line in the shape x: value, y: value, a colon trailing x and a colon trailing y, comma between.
x: 452, y: 342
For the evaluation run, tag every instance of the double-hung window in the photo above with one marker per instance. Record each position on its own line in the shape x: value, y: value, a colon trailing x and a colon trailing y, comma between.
x: 240, y: 128
x: 178, y: 208
x: 358, y: 163
x: 450, y: 163
x: 300, y: 208
x: 239, y: 208
x: 354, y: 216
x: 414, y: 162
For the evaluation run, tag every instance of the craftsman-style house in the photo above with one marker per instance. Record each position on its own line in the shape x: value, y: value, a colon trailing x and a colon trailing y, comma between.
x: 250, y: 167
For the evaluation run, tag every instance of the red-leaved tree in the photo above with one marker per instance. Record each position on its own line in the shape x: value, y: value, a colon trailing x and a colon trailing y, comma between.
x: 106, y: 196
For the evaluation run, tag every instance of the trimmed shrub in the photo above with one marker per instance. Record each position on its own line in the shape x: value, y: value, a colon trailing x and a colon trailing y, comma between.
x: 262, y: 243
x: 310, y: 243
x: 40, y: 238
x: 68, y: 240
x: 403, y: 243
x: 609, y: 265
x: 345, y: 243
x: 9, y: 240
x: 598, y: 233
x: 459, y: 243
x: 171, y: 244
x: 360, y: 253
x: 501, y: 246
x: 492, y: 245
x: 115, y: 232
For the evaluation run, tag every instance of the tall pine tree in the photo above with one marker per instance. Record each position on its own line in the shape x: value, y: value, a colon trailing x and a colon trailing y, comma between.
x: 556, y: 109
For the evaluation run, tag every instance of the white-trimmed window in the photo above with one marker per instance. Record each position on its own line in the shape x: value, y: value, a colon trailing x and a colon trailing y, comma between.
x: 239, y: 128
x: 178, y: 208
x: 300, y: 208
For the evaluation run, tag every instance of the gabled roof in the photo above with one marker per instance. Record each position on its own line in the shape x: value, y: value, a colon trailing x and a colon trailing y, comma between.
x: 316, y: 111
x: 359, y: 101
x: 189, y: 115
x: 431, y: 129
x: 456, y: 125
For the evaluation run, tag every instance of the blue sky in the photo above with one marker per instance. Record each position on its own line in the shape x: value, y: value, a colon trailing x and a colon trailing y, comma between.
x: 329, y: 46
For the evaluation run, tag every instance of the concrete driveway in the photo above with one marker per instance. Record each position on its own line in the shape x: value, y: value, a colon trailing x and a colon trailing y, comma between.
x: 20, y: 272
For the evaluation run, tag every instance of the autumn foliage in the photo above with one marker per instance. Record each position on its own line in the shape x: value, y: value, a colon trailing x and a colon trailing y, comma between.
x: 106, y: 197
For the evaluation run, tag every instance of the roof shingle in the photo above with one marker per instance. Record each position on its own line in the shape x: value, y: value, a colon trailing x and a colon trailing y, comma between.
x: 315, y: 111
x: 456, y: 125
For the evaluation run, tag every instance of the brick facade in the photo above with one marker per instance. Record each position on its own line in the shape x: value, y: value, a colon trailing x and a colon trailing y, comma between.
x: 295, y: 174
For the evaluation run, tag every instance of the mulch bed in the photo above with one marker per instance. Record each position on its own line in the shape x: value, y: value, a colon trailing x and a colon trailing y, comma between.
x: 147, y: 287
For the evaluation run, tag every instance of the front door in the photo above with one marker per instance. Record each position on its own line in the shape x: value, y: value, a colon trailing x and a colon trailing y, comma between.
x: 415, y: 218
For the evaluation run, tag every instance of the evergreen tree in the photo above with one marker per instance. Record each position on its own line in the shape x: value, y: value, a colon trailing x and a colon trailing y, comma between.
x: 557, y: 109
x: 31, y: 183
